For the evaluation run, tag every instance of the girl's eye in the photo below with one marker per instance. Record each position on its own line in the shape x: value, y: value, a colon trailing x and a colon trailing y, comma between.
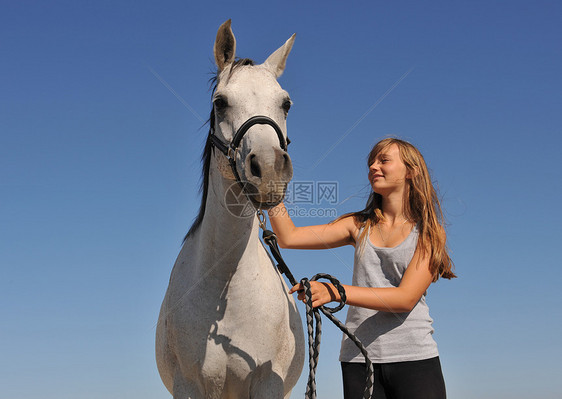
x: 220, y: 103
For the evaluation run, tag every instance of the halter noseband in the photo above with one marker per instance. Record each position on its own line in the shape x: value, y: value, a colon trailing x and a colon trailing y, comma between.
x: 229, y: 149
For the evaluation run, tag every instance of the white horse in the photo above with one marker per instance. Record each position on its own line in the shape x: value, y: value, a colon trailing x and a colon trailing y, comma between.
x: 227, y: 327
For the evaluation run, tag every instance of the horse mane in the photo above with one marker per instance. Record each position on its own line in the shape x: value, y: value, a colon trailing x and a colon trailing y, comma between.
x: 206, y: 157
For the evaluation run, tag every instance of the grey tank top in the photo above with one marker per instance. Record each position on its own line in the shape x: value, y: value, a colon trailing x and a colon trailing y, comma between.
x: 387, y: 336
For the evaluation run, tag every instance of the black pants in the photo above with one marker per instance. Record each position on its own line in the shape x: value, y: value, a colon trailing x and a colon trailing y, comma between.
x: 420, y: 379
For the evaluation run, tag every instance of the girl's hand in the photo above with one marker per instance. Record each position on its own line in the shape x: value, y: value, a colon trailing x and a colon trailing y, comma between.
x: 322, y: 293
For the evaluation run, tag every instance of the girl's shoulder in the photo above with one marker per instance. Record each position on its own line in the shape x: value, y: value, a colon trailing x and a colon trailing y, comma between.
x: 351, y: 223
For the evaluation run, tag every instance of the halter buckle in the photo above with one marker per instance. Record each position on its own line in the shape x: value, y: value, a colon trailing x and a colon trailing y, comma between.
x: 230, y: 153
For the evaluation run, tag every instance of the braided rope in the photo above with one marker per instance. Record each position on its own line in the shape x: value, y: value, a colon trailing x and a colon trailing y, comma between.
x: 314, y: 338
x: 313, y: 317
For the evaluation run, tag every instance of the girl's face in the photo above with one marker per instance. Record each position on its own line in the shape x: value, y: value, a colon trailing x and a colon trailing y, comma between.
x: 388, y: 173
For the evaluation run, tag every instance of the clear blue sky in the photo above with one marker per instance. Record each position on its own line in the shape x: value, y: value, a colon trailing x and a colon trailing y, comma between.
x: 99, y: 173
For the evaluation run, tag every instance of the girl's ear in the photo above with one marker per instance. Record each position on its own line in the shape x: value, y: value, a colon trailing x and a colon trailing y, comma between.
x: 412, y: 173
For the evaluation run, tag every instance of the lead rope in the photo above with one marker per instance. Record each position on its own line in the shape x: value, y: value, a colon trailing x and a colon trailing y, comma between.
x: 313, y: 315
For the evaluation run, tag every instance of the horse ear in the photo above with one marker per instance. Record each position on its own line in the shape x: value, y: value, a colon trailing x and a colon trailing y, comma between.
x: 276, y: 61
x: 225, y: 46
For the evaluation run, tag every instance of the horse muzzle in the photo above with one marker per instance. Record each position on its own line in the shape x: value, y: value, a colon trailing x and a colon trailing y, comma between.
x: 265, y: 176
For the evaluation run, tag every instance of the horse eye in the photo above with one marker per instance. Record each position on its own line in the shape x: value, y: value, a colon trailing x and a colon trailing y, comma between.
x: 286, y: 105
x: 220, y: 103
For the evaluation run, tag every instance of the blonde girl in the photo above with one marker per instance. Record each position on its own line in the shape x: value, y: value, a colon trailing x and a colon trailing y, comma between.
x: 400, y: 249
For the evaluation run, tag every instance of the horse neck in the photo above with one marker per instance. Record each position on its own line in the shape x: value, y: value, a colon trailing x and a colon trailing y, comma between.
x: 224, y: 237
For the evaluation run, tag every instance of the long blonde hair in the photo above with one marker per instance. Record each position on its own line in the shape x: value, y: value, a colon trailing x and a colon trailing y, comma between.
x: 421, y: 205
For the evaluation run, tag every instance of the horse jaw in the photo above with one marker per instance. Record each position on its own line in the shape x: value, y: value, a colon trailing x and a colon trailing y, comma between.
x: 260, y: 196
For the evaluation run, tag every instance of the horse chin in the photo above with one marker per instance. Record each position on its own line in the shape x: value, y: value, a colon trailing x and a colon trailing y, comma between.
x: 265, y: 205
x: 262, y: 200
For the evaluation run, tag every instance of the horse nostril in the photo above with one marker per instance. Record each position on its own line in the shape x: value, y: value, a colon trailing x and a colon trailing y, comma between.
x: 286, y: 158
x: 254, y: 166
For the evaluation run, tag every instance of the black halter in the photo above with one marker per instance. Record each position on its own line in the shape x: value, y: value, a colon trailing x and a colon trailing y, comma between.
x: 229, y: 149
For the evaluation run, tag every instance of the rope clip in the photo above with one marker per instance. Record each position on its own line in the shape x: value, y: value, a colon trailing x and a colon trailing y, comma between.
x: 261, y: 219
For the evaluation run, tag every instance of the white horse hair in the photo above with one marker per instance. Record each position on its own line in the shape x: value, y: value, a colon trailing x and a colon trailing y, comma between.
x: 227, y: 327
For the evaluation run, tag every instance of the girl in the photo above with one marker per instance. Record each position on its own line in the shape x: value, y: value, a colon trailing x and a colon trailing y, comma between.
x: 400, y: 250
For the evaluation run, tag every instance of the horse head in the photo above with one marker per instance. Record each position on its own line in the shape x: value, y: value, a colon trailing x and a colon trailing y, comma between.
x: 249, y: 121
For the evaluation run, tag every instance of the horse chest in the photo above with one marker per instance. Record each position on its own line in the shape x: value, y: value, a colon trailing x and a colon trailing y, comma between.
x: 250, y: 308
x: 226, y: 334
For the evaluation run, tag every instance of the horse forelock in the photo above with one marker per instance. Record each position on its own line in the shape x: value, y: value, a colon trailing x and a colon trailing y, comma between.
x: 207, y: 151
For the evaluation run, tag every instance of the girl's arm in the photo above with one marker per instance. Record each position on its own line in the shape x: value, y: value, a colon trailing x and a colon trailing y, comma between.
x: 321, y: 236
x: 403, y: 298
